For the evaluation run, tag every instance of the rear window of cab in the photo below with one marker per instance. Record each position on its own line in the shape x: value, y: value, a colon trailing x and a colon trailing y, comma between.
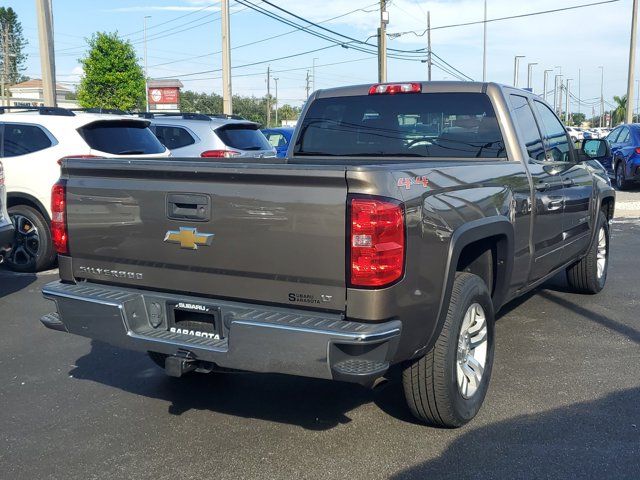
x: 458, y: 125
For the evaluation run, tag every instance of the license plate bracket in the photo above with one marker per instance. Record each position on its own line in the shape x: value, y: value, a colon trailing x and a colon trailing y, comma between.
x: 195, y: 320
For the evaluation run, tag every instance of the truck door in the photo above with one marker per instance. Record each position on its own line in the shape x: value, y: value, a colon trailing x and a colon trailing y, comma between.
x: 576, y: 180
x: 547, y: 196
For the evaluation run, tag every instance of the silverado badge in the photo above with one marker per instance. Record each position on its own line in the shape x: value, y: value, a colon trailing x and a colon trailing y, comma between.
x: 189, y: 238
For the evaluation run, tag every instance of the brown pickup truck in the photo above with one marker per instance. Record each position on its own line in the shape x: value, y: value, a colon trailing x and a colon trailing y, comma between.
x: 403, y: 217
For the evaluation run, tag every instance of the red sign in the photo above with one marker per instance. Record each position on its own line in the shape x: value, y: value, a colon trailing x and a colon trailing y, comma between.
x: 163, y: 95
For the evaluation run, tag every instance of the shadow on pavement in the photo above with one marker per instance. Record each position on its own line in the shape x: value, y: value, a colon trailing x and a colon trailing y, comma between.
x: 596, y: 439
x: 309, y: 403
x: 12, y: 282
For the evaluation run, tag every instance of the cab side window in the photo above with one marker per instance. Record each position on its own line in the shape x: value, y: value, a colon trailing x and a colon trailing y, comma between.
x: 554, y: 135
x: 613, y: 136
x: 20, y: 139
x: 624, y: 136
x: 527, y: 126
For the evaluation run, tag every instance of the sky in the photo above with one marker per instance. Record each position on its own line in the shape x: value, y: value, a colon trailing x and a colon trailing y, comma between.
x: 184, y: 39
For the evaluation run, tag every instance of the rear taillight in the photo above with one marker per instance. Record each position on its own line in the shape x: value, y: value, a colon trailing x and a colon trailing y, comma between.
x: 377, y: 242
x: 59, y: 217
x: 393, y: 88
x: 219, y: 154
x: 638, y: 150
x: 77, y: 156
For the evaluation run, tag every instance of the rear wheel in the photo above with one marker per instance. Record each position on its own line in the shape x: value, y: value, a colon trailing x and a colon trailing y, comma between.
x: 589, y: 275
x: 32, y: 245
x: 447, y: 386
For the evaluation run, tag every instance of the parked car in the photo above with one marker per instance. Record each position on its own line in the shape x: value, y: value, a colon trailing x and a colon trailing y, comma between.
x: 210, y: 136
x: 279, y: 138
x: 407, y: 215
x: 6, y: 226
x: 575, y: 133
x: 623, y: 164
x: 33, y: 142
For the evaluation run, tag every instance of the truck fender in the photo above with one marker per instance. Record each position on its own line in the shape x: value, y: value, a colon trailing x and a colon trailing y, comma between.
x: 465, y: 235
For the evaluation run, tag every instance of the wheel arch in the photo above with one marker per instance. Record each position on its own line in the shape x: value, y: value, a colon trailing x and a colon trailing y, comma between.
x: 17, y: 198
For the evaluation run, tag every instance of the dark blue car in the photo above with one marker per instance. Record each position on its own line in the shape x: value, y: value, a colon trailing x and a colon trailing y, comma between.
x: 624, y: 163
x: 279, y: 138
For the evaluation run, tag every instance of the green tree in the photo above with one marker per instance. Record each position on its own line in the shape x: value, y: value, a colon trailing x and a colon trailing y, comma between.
x: 578, y: 118
x: 112, y: 76
x: 11, y: 32
x: 200, y: 102
x: 620, y: 110
x: 287, y: 112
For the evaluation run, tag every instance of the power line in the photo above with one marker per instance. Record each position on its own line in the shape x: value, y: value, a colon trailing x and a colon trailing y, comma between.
x: 267, y: 38
x: 523, y: 15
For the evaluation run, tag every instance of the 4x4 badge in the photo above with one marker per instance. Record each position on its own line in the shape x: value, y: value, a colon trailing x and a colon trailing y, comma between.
x: 189, y: 238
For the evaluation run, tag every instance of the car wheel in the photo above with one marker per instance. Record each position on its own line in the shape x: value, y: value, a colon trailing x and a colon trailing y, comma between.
x: 32, y: 245
x: 589, y: 275
x: 621, y: 182
x: 446, y: 387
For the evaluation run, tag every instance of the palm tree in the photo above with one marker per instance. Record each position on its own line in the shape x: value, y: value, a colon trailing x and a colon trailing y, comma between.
x: 621, y: 109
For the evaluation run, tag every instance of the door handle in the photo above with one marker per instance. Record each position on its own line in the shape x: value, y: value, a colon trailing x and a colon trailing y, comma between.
x: 554, y: 205
x: 542, y: 186
x: 189, y: 206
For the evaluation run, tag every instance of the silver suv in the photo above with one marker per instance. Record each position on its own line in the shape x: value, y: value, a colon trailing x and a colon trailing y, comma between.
x: 210, y: 136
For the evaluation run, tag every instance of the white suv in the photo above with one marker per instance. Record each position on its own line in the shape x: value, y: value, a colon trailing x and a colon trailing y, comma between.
x: 32, y: 143
x: 575, y: 133
x: 6, y: 227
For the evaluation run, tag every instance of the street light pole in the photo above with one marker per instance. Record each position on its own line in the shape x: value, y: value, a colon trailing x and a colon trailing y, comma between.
x: 555, y: 94
x: 146, y: 71
x: 516, y: 65
x: 632, y: 63
x: 566, y: 112
x: 544, y: 86
x: 47, y: 56
x: 529, y: 72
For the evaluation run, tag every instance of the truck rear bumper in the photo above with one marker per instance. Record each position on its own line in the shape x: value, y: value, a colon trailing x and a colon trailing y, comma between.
x: 255, y: 337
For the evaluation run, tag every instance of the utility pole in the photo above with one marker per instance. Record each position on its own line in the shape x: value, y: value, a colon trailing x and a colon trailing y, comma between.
x: 484, y: 44
x: 601, y: 95
x: 516, y: 67
x: 275, y: 79
x: 637, y: 99
x: 429, y: 45
x: 146, y: 71
x: 566, y: 113
x: 382, y: 42
x: 47, y: 57
x: 307, y: 86
x: 555, y: 93
x: 560, y: 99
x: 544, y: 85
x: 632, y: 63
x: 268, y: 96
x: 227, y: 106
x: 529, y: 72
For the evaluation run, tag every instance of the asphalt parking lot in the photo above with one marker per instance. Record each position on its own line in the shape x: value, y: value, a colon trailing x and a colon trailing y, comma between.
x: 563, y: 402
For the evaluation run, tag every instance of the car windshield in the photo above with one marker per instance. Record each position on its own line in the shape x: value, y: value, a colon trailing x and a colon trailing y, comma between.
x: 461, y: 125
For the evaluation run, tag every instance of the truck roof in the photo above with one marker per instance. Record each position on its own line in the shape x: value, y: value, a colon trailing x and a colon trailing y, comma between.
x: 439, y: 86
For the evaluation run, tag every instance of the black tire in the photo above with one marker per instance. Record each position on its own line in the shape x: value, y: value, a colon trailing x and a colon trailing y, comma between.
x: 27, y: 256
x: 583, y: 276
x: 430, y: 382
x: 621, y: 182
x: 158, y: 358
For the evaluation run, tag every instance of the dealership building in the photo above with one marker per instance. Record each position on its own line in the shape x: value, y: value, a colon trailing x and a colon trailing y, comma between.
x: 164, y: 95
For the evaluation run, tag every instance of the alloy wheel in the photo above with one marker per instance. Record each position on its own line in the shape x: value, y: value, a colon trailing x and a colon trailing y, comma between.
x: 471, y: 355
x: 26, y: 241
x: 602, y: 253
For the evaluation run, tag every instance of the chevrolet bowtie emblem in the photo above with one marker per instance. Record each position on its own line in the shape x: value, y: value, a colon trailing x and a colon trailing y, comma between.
x: 189, y: 238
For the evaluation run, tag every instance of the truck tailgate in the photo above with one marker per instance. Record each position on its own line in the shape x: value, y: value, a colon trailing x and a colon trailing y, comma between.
x: 273, y: 233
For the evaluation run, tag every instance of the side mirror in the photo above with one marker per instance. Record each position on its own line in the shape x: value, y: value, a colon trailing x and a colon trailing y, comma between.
x: 594, y: 149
